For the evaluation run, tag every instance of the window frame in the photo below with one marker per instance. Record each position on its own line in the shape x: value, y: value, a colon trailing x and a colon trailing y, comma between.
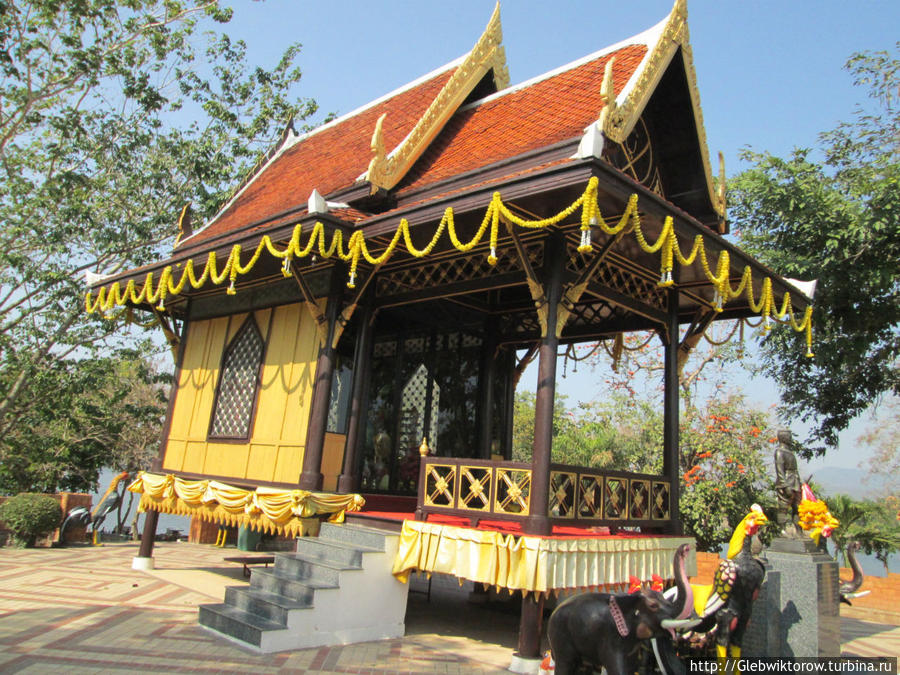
x: 257, y: 382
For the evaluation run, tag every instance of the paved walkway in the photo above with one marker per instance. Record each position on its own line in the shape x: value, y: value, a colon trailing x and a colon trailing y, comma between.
x: 84, y: 610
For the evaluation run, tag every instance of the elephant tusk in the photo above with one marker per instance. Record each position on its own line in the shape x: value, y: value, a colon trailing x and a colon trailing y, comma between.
x: 679, y: 624
x: 858, y: 594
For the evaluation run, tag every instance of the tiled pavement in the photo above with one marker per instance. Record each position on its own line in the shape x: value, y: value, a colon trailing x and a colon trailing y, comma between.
x: 84, y: 610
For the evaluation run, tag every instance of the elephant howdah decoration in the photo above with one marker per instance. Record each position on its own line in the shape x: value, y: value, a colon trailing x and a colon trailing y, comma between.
x: 725, y: 605
x: 850, y: 589
x: 606, y: 630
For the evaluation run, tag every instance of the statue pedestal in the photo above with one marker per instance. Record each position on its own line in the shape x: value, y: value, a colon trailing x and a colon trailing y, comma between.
x: 801, y: 598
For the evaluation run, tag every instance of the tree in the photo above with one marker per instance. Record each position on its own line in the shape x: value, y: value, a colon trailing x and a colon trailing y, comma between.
x: 883, y: 437
x: 871, y: 523
x: 723, y: 452
x: 80, y: 416
x: 112, y: 118
x: 836, y: 220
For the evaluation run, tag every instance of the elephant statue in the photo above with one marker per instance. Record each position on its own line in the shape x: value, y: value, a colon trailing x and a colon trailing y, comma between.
x: 850, y: 589
x: 724, y: 606
x: 605, y: 630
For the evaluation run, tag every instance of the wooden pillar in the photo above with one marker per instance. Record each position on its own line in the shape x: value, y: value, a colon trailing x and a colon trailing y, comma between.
x: 487, y: 373
x: 348, y: 481
x: 151, y: 518
x: 509, y: 404
x: 531, y: 624
x: 538, y: 522
x: 311, y: 476
x: 671, y: 411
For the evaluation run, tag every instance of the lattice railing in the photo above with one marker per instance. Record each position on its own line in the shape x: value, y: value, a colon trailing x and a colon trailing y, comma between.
x: 483, y: 489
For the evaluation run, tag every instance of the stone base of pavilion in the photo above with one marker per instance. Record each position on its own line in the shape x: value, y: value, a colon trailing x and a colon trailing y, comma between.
x: 498, y: 555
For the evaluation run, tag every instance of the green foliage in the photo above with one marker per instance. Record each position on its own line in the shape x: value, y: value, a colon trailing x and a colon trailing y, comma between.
x: 836, y: 220
x: 29, y: 516
x: 80, y: 416
x: 113, y: 116
x: 872, y: 523
x: 722, y: 452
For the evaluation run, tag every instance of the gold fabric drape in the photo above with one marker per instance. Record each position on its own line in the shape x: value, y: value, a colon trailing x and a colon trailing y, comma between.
x: 533, y: 563
x: 268, y: 509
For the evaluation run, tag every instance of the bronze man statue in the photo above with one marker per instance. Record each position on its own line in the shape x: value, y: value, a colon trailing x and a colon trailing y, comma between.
x: 787, y: 485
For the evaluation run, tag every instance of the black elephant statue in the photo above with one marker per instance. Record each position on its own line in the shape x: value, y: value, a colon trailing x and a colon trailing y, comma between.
x: 724, y: 606
x: 850, y: 589
x: 605, y: 630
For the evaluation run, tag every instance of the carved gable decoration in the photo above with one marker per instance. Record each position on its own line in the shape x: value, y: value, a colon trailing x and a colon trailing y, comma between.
x: 387, y: 169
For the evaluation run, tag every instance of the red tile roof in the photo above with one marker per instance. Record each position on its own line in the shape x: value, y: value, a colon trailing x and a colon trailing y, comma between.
x: 534, y: 116
x: 531, y: 116
x: 327, y: 160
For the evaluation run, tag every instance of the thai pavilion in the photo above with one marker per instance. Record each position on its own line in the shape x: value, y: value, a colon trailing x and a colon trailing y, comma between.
x: 375, y: 283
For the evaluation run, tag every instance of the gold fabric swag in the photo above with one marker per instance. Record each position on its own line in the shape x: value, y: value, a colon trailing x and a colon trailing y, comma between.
x: 271, y: 510
x: 533, y: 564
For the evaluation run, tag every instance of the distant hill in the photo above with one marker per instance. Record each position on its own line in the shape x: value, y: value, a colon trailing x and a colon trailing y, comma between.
x: 853, y: 482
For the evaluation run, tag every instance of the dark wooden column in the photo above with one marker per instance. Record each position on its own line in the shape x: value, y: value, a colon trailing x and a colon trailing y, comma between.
x: 151, y: 518
x: 488, y: 372
x: 671, y: 411
x: 531, y: 625
x: 538, y: 522
x: 348, y: 481
x: 311, y: 476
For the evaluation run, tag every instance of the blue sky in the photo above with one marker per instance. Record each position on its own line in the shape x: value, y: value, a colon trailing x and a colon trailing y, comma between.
x: 769, y: 73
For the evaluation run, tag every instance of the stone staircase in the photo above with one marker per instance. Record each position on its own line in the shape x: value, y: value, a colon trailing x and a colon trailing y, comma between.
x: 337, y: 588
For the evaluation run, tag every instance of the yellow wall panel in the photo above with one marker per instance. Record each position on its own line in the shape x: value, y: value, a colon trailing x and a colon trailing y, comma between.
x: 332, y: 460
x: 261, y: 466
x: 275, y: 451
x: 174, y: 458
x: 288, y: 464
x: 275, y: 385
x: 206, y: 377
x: 194, y: 456
x: 226, y: 459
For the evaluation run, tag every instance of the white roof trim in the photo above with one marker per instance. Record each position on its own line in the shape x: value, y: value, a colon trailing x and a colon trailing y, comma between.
x: 647, y: 38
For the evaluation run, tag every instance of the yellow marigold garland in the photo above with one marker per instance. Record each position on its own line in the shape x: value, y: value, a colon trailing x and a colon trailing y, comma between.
x: 666, y: 244
x: 815, y: 518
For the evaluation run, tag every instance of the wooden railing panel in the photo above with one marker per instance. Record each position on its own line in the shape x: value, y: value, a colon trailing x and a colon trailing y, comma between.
x: 485, y: 489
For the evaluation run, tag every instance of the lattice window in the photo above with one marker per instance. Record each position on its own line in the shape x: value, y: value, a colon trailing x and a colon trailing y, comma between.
x: 233, y: 409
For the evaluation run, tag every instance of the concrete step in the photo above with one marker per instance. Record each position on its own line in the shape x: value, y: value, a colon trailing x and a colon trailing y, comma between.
x: 272, y: 606
x: 346, y: 533
x: 293, y: 588
x: 341, y: 553
x: 237, y: 623
x: 300, y: 567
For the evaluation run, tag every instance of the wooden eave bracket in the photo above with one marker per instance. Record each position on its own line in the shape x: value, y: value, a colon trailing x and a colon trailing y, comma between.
x: 573, y: 291
x: 541, y: 304
x: 618, y: 121
x: 311, y: 305
x: 347, y: 313
x: 695, y: 332
x: 387, y: 170
x: 171, y: 336
x: 522, y: 364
